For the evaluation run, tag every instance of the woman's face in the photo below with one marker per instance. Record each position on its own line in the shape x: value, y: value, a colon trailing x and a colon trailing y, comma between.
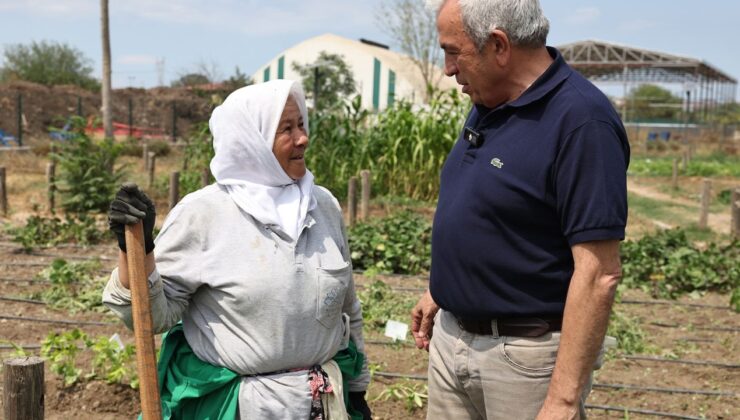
x: 291, y: 141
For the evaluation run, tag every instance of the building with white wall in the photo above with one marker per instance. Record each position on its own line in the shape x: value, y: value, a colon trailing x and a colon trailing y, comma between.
x: 381, y: 76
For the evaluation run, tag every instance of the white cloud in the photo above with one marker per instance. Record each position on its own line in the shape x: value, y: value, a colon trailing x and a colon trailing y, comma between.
x: 637, y: 25
x: 584, y: 15
x: 52, y: 7
x: 134, y: 59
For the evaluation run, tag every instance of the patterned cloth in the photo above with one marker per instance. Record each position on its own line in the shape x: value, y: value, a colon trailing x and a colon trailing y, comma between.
x: 318, y: 381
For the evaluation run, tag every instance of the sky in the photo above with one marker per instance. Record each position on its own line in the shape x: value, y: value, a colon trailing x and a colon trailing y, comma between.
x: 224, y: 34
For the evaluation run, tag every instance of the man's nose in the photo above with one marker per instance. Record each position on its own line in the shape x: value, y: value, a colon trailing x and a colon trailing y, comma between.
x: 450, y: 67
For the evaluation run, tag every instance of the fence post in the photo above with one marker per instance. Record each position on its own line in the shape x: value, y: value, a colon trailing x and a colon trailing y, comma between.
x: 705, y: 199
x: 50, y: 172
x: 735, y: 211
x: 365, y: 203
x: 145, y: 155
x: 130, y: 117
x: 23, y: 388
x: 352, y: 201
x: 205, y: 177
x: 174, y: 189
x: 79, y: 106
x: 685, y: 161
x: 174, y: 121
x: 3, y: 193
x: 19, y: 108
x: 152, y: 163
x: 675, y: 174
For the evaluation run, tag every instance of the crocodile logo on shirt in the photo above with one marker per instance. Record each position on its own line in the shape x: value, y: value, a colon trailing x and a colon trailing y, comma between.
x: 497, y: 163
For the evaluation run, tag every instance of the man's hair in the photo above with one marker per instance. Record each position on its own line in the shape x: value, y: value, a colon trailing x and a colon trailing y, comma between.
x: 522, y: 20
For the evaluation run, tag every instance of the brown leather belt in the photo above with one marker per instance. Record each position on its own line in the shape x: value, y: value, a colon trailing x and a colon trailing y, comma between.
x: 513, y: 327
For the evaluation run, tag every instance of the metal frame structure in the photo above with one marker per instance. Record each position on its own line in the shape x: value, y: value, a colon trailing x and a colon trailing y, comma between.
x: 706, y: 87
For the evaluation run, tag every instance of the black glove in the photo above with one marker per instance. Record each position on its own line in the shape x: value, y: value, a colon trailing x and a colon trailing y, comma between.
x: 357, y: 401
x: 130, y: 206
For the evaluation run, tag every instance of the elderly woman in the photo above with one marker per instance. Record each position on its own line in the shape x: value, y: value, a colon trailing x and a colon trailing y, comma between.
x: 257, y: 268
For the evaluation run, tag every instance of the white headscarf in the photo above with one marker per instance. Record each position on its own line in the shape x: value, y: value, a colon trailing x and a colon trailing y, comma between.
x: 243, y: 129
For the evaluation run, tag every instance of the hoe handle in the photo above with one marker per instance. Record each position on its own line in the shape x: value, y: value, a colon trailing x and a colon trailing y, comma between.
x: 146, y: 363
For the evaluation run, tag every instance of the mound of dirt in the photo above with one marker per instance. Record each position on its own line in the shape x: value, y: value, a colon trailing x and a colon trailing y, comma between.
x: 43, y: 107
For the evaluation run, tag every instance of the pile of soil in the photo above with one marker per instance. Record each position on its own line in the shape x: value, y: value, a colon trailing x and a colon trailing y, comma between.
x: 50, y: 106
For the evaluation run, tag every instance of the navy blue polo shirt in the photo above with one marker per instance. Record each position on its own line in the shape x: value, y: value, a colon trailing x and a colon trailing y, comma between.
x: 550, y: 172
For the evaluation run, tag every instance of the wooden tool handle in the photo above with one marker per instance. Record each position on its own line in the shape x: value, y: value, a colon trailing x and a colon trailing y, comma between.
x: 146, y: 362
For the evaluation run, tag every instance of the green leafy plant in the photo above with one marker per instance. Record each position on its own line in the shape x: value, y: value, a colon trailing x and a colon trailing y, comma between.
x: 413, y: 395
x: 61, y: 350
x: 629, y: 334
x: 49, y: 231
x: 380, y: 303
x: 198, y: 155
x: 88, y: 177
x: 111, y: 362
x: 400, y: 243
x: 667, y: 265
x: 74, y: 286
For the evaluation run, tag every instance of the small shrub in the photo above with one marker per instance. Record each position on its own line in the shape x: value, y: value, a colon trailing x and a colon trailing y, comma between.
x: 667, y: 265
x: 42, y: 231
x: 88, y: 178
x: 400, y: 243
x: 74, y: 286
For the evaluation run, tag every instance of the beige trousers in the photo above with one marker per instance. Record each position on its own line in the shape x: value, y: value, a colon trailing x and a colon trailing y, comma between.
x: 489, y: 377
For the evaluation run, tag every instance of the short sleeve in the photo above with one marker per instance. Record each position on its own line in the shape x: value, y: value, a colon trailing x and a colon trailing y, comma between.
x: 591, y: 183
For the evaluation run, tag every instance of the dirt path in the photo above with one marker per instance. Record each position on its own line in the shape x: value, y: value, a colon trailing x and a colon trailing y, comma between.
x: 718, y: 222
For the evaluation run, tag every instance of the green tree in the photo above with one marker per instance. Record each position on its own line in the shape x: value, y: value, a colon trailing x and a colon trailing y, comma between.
x: 651, y: 102
x: 335, y: 80
x: 413, y: 27
x: 48, y: 63
x: 191, y: 79
x: 238, y: 80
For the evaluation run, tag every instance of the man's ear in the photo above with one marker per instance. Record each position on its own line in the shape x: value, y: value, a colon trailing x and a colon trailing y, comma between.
x: 501, y: 46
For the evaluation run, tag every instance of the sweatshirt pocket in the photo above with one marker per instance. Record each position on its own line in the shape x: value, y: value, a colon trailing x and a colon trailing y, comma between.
x: 330, y: 291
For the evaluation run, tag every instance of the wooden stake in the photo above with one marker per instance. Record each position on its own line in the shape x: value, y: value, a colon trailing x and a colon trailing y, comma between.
x: 174, y: 189
x: 50, y: 172
x: 23, y: 389
x: 735, y: 208
x: 365, y: 203
x: 152, y: 162
x: 675, y: 174
x: 3, y: 193
x: 146, y: 362
x: 705, y: 200
x: 145, y: 155
x: 352, y: 201
x: 205, y: 178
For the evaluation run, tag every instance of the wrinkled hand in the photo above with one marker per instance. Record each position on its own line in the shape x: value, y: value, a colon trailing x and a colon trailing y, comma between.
x: 128, y: 207
x: 558, y: 411
x: 358, y: 402
x: 422, y: 320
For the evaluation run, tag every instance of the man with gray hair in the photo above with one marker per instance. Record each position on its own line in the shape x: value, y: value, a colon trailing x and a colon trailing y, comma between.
x: 531, y: 210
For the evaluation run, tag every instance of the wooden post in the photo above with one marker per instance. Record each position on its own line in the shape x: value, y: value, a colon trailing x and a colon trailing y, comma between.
x: 675, y: 174
x: 19, y: 108
x: 705, y: 199
x: 50, y: 172
x: 205, y: 177
x: 152, y: 164
x: 23, y: 388
x: 145, y: 155
x: 735, y: 211
x: 352, y: 201
x: 685, y: 161
x: 174, y: 189
x: 365, y: 190
x: 3, y: 193
x: 146, y: 363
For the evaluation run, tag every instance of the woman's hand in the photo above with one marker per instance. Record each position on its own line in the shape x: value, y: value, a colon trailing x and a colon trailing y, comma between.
x: 358, y: 402
x: 128, y: 207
